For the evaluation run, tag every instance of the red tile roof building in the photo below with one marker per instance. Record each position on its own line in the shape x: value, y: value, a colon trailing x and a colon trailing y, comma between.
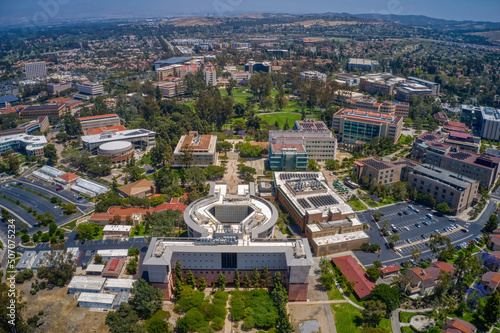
x: 136, y: 213
x: 353, y: 272
x: 456, y: 325
x: 389, y: 270
x: 99, y: 130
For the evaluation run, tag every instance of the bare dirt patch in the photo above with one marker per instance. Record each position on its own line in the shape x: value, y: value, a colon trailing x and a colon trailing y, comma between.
x: 300, y: 313
x: 61, y: 313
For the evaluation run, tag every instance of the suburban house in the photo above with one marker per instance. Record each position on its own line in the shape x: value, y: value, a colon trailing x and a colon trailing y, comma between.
x: 389, y: 271
x: 456, y: 325
x: 423, y: 281
x: 490, y: 281
x: 495, y: 240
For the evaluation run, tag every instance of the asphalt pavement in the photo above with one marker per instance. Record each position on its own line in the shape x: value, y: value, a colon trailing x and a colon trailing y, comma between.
x: 414, y: 233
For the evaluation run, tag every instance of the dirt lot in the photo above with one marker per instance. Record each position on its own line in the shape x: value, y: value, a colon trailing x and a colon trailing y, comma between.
x: 305, y: 312
x: 61, y: 313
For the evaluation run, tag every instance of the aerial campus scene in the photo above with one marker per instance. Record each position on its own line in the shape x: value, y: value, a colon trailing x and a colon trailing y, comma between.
x: 234, y: 166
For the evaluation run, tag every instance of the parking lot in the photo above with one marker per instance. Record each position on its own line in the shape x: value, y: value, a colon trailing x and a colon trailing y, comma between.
x: 414, y: 229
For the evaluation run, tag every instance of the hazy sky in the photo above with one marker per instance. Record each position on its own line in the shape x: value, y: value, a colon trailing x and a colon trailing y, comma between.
x: 43, y: 10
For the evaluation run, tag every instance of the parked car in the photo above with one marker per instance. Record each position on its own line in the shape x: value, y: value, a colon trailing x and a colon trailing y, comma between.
x: 400, y: 214
x: 59, y: 188
x: 452, y: 220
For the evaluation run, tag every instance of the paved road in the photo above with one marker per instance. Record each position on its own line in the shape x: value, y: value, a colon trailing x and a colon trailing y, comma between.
x: 389, y: 257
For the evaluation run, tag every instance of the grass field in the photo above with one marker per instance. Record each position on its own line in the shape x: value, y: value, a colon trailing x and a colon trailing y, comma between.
x: 357, y: 205
x: 271, y: 118
x: 347, y: 317
x: 383, y: 202
x: 334, y: 293
x: 406, y: 329
x: 69, y: 226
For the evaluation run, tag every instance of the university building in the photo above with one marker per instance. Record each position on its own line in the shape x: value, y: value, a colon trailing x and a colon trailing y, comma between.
x: 356, y: 126
x: 432, y: 149
x: 202, y: 148
x: 329, y: 223
x: 230, y: 229
x: 309, y: 139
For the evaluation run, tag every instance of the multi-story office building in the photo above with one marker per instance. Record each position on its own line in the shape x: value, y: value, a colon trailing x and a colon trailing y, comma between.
x: 355, y: 126
x: 172, y: 88
x: 399, y: 109
x: 379, y: 83
x: 433, y: 86
x: 313, y: 75
x: 329, y: 223
x: 431, y: 149
x: 287, y: 157
x: 238, y: 76
x: 88, y: 90
x: 406, y: 91
x: 485, y: 121
x: 230, y: 229
x: 464, y: 141
x: 239, y: 45
x: 35, y: 69
x: 103, y: 120
x: 365, y: 65
x: 316, y: 139
x: 456, y: 190
x: 41, y: 124
x: 253, y: 66
x: 55, y: 88
x: 31, y: 145
x: 43, y: 110
x: 162, y: 73
x: 210, y: 75
x: 202, y: 148
x: 384, y: 173
x: 140, y: 138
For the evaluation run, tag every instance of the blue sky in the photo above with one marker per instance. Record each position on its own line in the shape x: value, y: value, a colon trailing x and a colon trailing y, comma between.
x: 32, y: 10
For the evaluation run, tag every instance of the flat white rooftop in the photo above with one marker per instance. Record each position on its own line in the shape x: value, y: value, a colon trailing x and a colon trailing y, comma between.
x: 94, y: 283
x: 95, y: 268
x: 27, y: 139
x: 305, y: 196
x: 111, y: 227
x: 116, y: 136
x: 119, y: 283
x: 340, y: 238
x: 113, y: 253
x: 96, y: 298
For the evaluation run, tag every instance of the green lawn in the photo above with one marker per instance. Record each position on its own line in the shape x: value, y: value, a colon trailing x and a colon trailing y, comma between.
x: 386, y: 323
x: 69, y: 226
x: 353, y: 298
x: 357, y: 205
x: 334, y: 293
x: 347, y: 317
x: 271, y: 118
x: 383, y: 202
x: 142, y: 231
x: 406, y: 329
x: 495, y: 330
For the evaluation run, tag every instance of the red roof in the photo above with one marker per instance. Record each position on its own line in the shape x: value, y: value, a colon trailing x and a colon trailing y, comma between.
x: 99, y: 130
x: 353, y: 272
x: 389, y: 269
x: 109, y: 115
x: 69, y: 176
x: 460, y: 135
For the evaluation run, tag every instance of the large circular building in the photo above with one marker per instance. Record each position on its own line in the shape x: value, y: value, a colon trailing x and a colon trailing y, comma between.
x: 231, y: 217
x: 117, y: 151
